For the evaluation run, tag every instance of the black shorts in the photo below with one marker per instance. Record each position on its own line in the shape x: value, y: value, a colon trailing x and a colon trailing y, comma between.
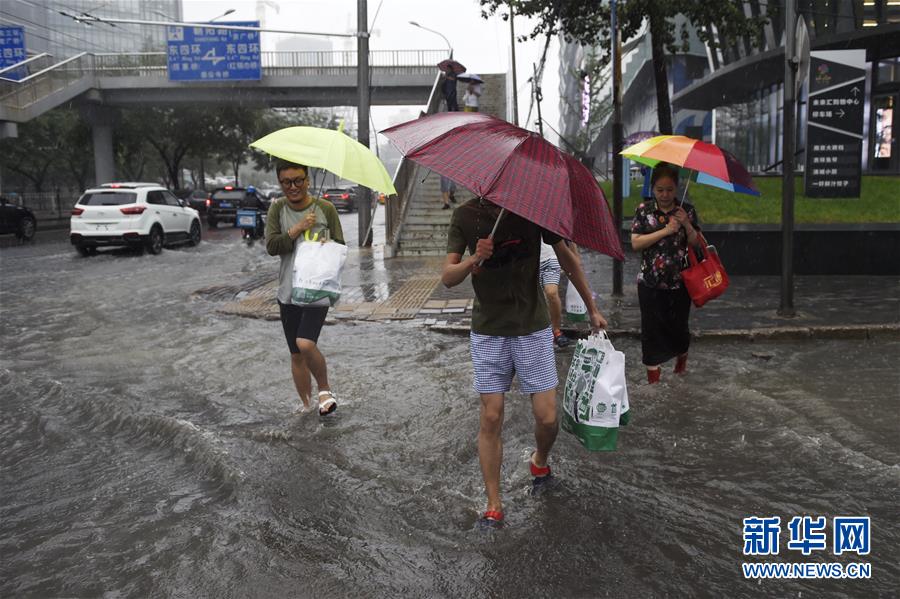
x: 304, y: 322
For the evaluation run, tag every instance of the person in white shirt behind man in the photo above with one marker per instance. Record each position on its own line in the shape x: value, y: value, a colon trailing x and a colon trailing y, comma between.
x: 472, y: 95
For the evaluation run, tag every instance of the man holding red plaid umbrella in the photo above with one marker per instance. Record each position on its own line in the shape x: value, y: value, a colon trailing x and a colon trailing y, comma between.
x: 511, y: 332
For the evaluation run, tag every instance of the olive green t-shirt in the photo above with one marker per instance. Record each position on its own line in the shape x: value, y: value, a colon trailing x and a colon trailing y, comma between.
x: 509, y: 301
x: 280, y: 218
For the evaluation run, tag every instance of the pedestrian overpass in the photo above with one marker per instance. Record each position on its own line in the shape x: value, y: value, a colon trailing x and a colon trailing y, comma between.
x: 99, y: 83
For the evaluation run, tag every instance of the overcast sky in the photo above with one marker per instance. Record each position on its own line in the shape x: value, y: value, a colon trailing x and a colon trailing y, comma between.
x: 482, y: 45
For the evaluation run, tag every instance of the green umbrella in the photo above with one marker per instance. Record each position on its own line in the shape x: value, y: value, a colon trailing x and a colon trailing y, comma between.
x: 331, y: 150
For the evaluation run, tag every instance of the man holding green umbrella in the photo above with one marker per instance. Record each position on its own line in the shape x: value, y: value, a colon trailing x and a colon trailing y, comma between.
x: 298, y: 213
x: 291, y: 216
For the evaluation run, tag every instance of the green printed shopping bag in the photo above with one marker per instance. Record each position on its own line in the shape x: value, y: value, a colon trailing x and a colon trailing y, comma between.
x: 595, y: 403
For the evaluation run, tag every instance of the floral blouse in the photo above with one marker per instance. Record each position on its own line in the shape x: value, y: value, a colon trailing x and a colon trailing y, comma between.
x: 661, y: 263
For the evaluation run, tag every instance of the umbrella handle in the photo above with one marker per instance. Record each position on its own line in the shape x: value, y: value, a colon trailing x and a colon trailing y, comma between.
x: 686, y: 184
x: 494, y: 230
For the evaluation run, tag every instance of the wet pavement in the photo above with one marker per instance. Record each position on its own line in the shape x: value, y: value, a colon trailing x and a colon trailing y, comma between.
x: 149, y: 445
x: 409, y: 288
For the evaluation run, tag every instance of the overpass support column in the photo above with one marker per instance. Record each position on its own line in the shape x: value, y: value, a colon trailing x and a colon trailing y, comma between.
x: 8, y: 129
x: 102, y: 120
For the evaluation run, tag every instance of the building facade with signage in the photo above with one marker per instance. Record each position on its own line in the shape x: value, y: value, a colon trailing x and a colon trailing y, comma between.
x: 745, y: 91
x: 739, y: 87
x: 579, y: 96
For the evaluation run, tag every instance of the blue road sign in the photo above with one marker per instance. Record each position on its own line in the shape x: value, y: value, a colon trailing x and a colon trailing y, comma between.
x: 12, y: 50
x: 208, y: 53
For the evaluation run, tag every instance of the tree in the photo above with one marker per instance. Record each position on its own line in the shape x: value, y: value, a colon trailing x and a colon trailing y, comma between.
x: 135, y: 157
x: 236, y: 128
x: 36, y: 149
x: 172, y: 133
x: 587, y: 22
x: 599, y: 106
x: 76, y: 136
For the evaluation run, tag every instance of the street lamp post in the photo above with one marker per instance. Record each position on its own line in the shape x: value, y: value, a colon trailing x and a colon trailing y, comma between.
x: 364, y: 203
x: 617, y: 135
x: 512, y: 49
x: 786, y: 307
x: 437, y: 32
x: 224, y: 14
x: 160, y: 13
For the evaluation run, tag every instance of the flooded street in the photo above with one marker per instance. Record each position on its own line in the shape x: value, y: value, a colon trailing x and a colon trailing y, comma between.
x: 149, y: 448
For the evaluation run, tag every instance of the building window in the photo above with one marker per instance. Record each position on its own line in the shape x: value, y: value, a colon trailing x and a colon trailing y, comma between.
x: 884, y: 120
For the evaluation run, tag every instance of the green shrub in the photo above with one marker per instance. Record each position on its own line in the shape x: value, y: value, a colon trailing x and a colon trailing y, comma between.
x: 879, y: 202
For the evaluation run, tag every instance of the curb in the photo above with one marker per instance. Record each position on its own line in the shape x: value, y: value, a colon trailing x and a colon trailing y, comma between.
x: 859, y: 332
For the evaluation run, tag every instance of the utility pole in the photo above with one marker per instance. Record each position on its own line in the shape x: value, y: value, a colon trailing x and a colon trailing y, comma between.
x: 538, y: 96
x: 617, y: 138
x: 364, y: 201
x: 787, y: 175
x: 515, y: 85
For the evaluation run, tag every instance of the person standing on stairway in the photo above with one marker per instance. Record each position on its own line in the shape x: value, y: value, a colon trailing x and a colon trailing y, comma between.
x: 448, y: 89
x: 448, y: 191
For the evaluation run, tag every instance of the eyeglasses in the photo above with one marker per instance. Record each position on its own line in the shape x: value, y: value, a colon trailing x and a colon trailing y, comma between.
x: 295, y: 182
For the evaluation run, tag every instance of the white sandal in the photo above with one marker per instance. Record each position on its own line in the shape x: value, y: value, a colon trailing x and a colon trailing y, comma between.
x: 329, y: 405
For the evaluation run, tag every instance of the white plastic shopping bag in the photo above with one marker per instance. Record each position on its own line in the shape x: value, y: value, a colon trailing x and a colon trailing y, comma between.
x: 576, y: 311
x: 596, y: 397
x: 317, y: 272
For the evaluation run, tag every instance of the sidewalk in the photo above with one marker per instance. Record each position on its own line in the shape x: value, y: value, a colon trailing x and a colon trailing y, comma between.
x: 408, y: 289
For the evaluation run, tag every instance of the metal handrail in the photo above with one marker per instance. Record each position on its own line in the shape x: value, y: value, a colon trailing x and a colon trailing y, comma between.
x: 19, y: 65
x: 302, y: 59
x: 50, y: 68
x: 405, y: 182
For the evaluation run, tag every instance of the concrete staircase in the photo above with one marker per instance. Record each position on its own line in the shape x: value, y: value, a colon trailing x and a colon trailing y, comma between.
x: 425, y: 229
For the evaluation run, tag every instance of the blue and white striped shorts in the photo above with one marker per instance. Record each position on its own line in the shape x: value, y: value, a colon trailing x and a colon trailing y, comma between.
x: 549, y: 271
x: 529, y: 357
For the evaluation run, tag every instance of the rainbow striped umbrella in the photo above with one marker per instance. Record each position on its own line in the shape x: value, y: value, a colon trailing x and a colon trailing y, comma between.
x: 713, y: 165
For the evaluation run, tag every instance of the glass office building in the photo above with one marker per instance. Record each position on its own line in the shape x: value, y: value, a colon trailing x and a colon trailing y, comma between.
x: 740, y: 86
x: 47, y: 30
x: 752, y: 125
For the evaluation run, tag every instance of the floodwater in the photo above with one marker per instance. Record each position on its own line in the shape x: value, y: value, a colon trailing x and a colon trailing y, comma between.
x: 149, y: 448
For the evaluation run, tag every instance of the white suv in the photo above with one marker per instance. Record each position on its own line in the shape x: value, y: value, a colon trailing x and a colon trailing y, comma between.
x: 143, y: 215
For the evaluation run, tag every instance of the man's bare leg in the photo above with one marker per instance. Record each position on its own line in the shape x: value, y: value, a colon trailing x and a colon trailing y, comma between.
x: 546, y: 427
x: 490, y: 447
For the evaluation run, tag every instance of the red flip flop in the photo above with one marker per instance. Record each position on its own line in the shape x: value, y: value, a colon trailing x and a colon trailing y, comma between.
x: 538, y: 471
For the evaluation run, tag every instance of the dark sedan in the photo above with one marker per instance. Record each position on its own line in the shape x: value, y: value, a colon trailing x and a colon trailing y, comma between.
x: 194, y: 198
x: 17, y: 220
x: 343, y: 198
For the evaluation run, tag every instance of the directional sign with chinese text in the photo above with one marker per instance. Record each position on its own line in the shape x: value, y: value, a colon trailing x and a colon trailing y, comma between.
x: 207, y: 53
x: 12, y: 50
x: 837, y: 83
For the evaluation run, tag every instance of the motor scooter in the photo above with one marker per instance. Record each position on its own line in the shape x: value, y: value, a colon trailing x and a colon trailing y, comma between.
x: 252, y: 223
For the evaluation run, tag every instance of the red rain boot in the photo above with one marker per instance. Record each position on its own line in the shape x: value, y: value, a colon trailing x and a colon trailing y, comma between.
x: 681, y: 364
x: 653, y: 375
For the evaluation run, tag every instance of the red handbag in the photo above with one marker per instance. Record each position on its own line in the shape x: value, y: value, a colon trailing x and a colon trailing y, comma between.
x: 705, y: 279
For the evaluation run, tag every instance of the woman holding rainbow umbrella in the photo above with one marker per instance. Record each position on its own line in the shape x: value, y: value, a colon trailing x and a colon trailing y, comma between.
x: 664, y: 230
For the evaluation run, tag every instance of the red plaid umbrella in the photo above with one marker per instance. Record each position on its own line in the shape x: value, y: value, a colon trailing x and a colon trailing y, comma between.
x: 517, y: 170
x: 451, y: 66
